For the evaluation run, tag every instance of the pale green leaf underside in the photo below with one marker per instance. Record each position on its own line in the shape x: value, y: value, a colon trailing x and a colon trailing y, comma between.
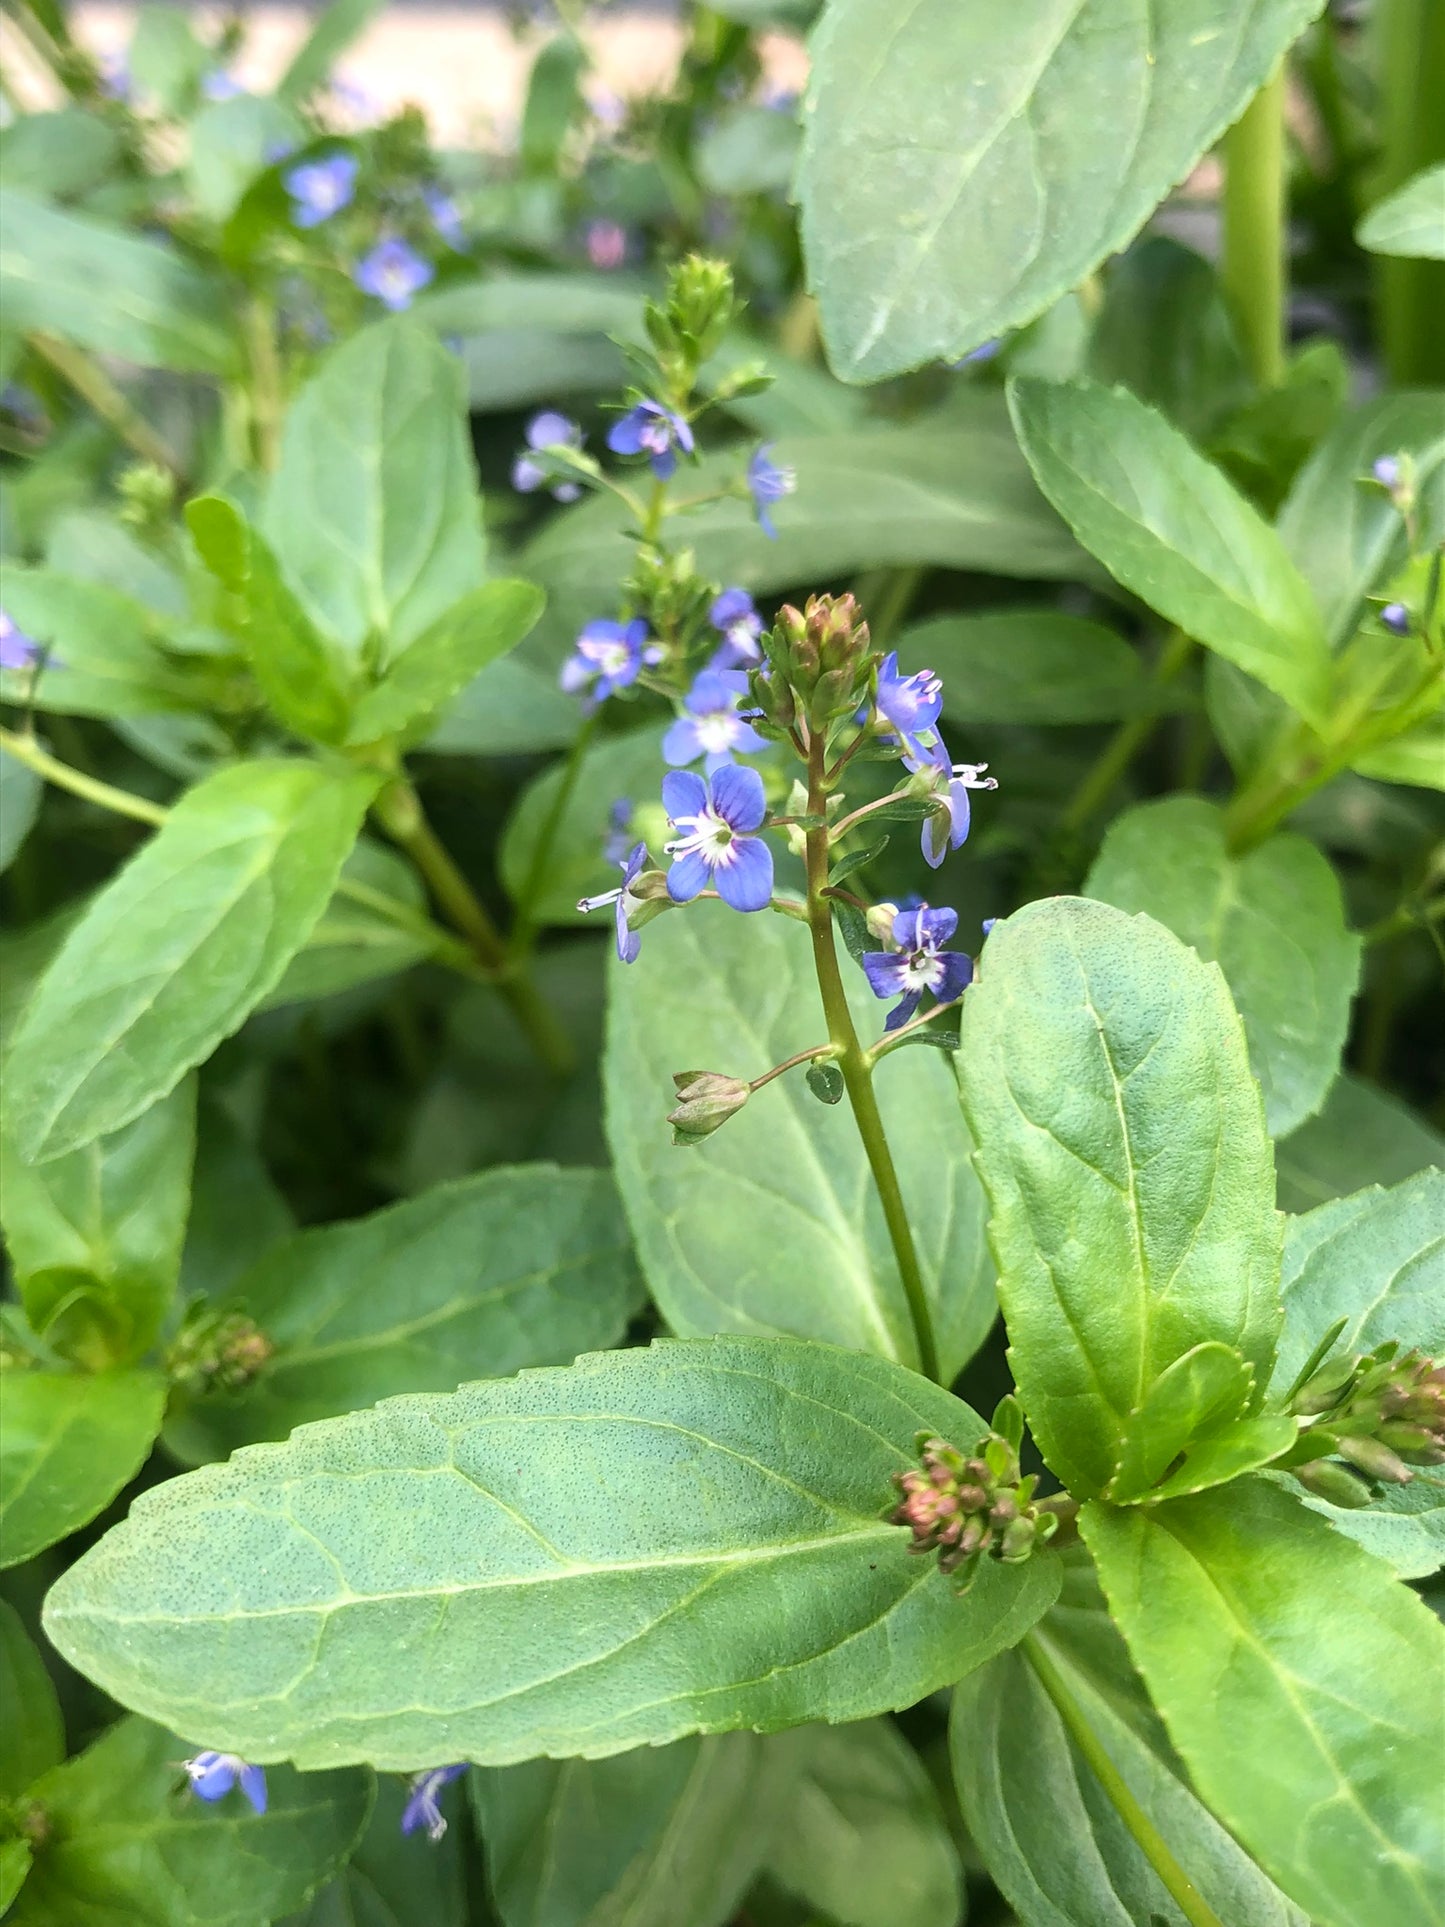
x: 1362, y: 1136
x: 1274, y: 922
x: 647, y: 1544
x: 1302, y: 1685
x: 1121, y: 1142
x: 1411, y: 221
x: 964, y: 166
x: 773, y: 1225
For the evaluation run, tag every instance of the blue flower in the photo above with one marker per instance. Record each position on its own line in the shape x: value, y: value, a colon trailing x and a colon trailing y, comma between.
x: 911, y: 706
x: 623, y: 901
x: 1387, y: 471
x: 1396, y: 618
x: 740, y: 626
x: 319, y: 189
x: 421, y: 1809
x: 218, y: 85
x: 607, y: 244
x: 446, y: 217
x: 718, y: 820
x: 115, y: 77
x: 919, y: 963
x: 550, y: 429
x: 767, y: 483
x: 609, y: 656
x: 212, y: 1775
x: 17, y: 650
x: 650, y: 429
x: 393, y: 272
x: 712, y: 726
x: 948, y: 827
x: 618, y: 840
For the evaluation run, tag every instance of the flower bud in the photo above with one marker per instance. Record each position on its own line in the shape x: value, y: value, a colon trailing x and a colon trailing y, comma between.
x: 708, y: 1100
x: 880, y: 920
x: 1376, y: 1459
x: 1332, y: 1482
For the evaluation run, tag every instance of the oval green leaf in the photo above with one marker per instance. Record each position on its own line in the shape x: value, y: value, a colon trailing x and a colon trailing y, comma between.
x: 70, y: 1442
x: 1411, y: 221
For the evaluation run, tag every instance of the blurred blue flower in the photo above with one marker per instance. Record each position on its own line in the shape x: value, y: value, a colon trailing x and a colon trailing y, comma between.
x: 1387, y: 471
x: 609, y: 656
x: 739, y: 624
x: 550, y: 429
x: 768, y: 483
x: 650, y: 429
x: 606, y: 243
x: 618, y: 840
x: 219, y: 85
x: 212, y: 1775
x: 919, y: 963
x: 1396, y: 618
x: 718, y: 820
x: 393, y: 272
x: 422, y: 1809
x: 910, y: 705
x: 319, y: 189
x: 446, y: 217
x: 712, y: 727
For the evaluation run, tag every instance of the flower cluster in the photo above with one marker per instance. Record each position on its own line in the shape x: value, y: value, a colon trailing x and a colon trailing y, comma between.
x: 968, y: 1506
x: 1383, y: 1413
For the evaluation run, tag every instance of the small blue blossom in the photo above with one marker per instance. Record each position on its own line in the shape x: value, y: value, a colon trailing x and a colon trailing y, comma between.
x: 618, y: 840
x: 629, y: 943
x: 17, y: 650
x: 609, y: 656
x: 1396, y: 618
x: 219, y: 85
x: 356, y: 100
x: 446, y: 217
x: 1387, y: 471
x: 115, y: 78
x: 740, y: 626
x: 393, y: 272
x: 943, y: 832
x: 712, y: 727
x: 650, y: 429
x: 768, y: 483
x: 212, y: 1775
x: 718, y: 844
x: 319, y: 189
x: 421, y: 1809
x: 919, y: 963
x: 911, y: 706
x: 985, y: 351
x: 550, y: 429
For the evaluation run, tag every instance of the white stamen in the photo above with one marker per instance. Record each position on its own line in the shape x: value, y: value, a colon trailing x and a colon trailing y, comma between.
x: 717, y: 731
x: 587, y: 904
x: 709, y: 837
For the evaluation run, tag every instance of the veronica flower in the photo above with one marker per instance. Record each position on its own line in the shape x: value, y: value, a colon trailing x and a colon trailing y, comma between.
x: 421, y: 1809
x: 911, y: 706
x: 919, y: 963
x: 17, y: 650
x: 718, y: 844
x: 550, y: 429
x: 393, y: 272
x: 942, y: 833
x: 212, y: 1775
x: 629, y: 943
x: 1386, y: 471
x: 740, y: 626
x: 609, y: 656
x: 606, y: 244
x: 712, y: 727
x: 115, y: 78
x: 767, y: 483
x: 218, y: 85
x: 319, y: 189
x: 1396, y: 618
x: 650, y: 429
x: 446, y: 217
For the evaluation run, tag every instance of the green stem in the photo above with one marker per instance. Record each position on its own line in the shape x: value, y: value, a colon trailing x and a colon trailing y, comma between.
x: 524, y: 930
x: 26, y: 750
x: 1252, y: 270
x: 399, y: 812
x: 809, y: 1056
x: 1099, y: 780
x: 1410, y: 294
x: 268, y: 402
x: 93, y: 385
x: 1147, y: 1837
x: 858, y: 1072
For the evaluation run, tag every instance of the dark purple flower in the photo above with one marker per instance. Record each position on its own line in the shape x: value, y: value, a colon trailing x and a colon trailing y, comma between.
x: 767, y: 483
x: 948, y: 827
x: 446, y: 217
x: 319, y: 189
x: 1396, y: 618
x: 393, y: 272
x: 609, y: 656
x: 911, y: 706
x: 712, y: 727
x: 17, y: 650
x: 550, y: 429
x: 739, y: 624
x: 919, y: 963
x: 718, y: 844
x: 421, y: 1809
x: 212, y: 1775
x: 618, y: 840
x: 650, y: 429
x: 629, y: 943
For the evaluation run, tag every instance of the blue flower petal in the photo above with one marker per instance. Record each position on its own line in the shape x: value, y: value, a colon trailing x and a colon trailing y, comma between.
x: 739, y: 798
x: 683, y: 794
x: 253, y: 1785
x: 956, y: 978
x: 625, y: 436
x: 688, y: 878
x: 680, y: 744
x: 900, y: 1013
x: 745, y: 881
x: 884, y: 970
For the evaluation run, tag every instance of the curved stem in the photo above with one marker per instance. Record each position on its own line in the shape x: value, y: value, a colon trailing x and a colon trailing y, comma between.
x: 1147, y: 1837
x: 857, y: 1071
x: 1098, y: 782
x: 92, y: 384
x: 1252, y: 269
x: 26, y: 750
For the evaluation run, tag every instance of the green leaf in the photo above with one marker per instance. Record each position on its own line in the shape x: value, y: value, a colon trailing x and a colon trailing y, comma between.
x: 511, y: 709
x: 1200, y: 1393
x: 178, y: 949
x: 1301, y: 1685
x: 58, y: 155
x: 554, y: 101
x: 1411, y: 221
x: 127, y: 1842
x: 111, y: 291
x: 15, y: 1859
x: 1274, y: 922
x: 495, y: 1537
x: 1375, y: 1259
x: 957, y: 495
x: 373, y: 512
x: 963, y: 170
x: 1404, y: 1525
x: 1032, y: 666
x: 232, y: 141
x: 519, y: 1266
x: 775, y: 1225
x: 20, y: 792
x: 338, y: 25
x: 864, y: 1840
x: 748, y: 149
x: 95, y: 1237
x: 626, y: 767
x: 483, y: 625
x: 165, y: 58
x: 667, y: 1836
x: 1361, y: 1137
x: 1046, y: 1829
x: 29, y: 1711
x: 1417, y: 756
x: 1169, y: 526
x: 106, y: 648
x: 71, y: 1441
x: 398, y: 1880
x: 361, y: 937
x: 237, y: 1212
x: 1120, y: 1138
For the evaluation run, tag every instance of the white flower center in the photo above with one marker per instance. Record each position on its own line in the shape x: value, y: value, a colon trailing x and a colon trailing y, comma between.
x: 922, y: 970
x: 717, y: 731
x: 708, y: 836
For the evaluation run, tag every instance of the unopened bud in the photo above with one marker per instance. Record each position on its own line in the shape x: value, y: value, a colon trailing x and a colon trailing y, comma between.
x: 1332, y: 1482
x: 880, y: 920
x: 1376, y: 1459
x: 708, y: 1100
